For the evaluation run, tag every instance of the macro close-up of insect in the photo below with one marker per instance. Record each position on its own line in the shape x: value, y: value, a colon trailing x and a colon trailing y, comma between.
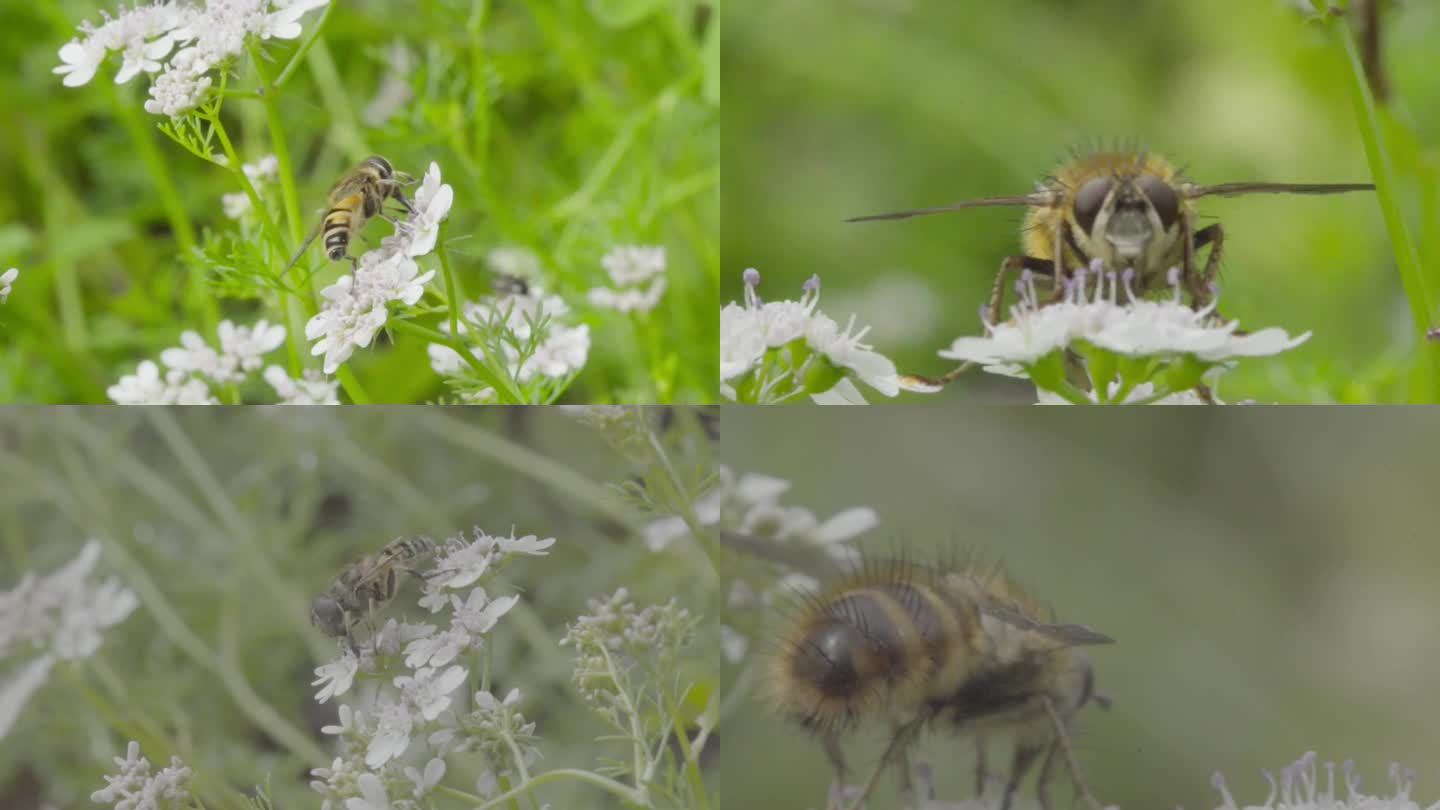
x: 356, y: 197
x: 1130, y: 211
x: 366, y: 585
x: 959, y: 650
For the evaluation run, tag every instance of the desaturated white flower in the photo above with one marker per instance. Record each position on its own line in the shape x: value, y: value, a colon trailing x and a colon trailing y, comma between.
x: 372, y: 794
x: 336, y: 677
x: 63, y: 613
x: 632, y: 264
x: 733, y: 645
x: 181, y: 41
x: 7, y: 280
x: 430, y: 688
x: 16, y: 692
x: 134, y: 788
x: 426, y: 782
x: 478, y: 614
x: 438, y: 649
x: 313, y: 389
x: 392, y: 734
x: 1301, y: 787
x: 630, y: 299
x: 235, y: 205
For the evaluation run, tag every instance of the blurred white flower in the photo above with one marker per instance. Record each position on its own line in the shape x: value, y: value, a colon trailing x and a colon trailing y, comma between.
x: 1140, y: 393
x: 516, y: 262
x: 235, y: 205
x: 313, y: 389
x: 7, y: 279
x: 195, y: 38
x: 240, y: 354
x: 426, y: 782
x: 632, y: 264
x: 1302, y: 788
x: 62, y: 614
x: 16, y: 692
x: 147, y: 387
x: 394, y: 91
x: 392, y: 734
x: 629, y: 299
x: 372, y: 794
x: 134, y: 788
x: 430, y: 688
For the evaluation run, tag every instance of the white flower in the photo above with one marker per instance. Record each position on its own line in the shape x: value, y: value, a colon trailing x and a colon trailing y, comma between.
x: 478, y: 614
x: 146, y: 387
x: 357, y: 305
x: 432, y: 205
x: 429, y: 690
x: 632, y: 299
x: 426, y: 782
x: 7, y: 279
x: 1302, y: 788
x: 62, y: 614
x: 733, y: 645
x: 844, y: 393
x: 632, y: 264
x: 559, y: 351
x: 16, y: 692
x: 392, y: 734
x: 1139, y: 393
x: 437, y: 650
x: 182, y: 41
x: 313, y: 389
x: 337, y: 677
x: 1169, y: 327
x: 372, y: 794
x: 133, y: 788
x: 529, y: 544
x: 235, y: 205
x: 845, y: 350
x: 265, y: 169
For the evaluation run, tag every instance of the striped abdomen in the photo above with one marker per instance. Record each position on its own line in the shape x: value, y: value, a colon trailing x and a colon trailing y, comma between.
x: 341, y: 221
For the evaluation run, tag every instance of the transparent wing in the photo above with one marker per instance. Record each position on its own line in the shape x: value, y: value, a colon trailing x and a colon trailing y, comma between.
x: 1027, y: 200
x: 1236, y: 189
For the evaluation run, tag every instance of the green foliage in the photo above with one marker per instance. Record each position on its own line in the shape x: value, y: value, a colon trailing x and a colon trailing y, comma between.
x: 566, y: 128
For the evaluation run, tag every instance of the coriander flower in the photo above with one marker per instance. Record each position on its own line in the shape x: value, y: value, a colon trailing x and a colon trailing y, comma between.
x: 508, y: 325
x: 336, y: 677
x: 63, y: 613
x: 395, y: 721
x: 1142, y: 393
x: 7, y: 279
x: 773, y: 351
x: 16, y: 692
x: 181, y: 41
x: 357, y: 305
x: 429, y: 689
x: 629, y: 267
x: 432, y: 205
x: 134, y: 788
x: 1302, y: 788
x: 147, y: 387
x: 313, y: 389
x: 241, y: 350
x: 426, y: 782
x: 372, y: 794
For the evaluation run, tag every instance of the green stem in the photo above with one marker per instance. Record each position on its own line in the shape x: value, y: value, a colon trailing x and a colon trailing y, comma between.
x: 352, y: 385
x: 1407, y: 259
x: 295, y: 58
x: 501, y: 383
x: 451, y: 291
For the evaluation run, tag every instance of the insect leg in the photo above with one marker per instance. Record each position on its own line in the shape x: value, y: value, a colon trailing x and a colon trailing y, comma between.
x: 1025, y: 754
x: 1008, y: 268
x: 904, y: 735
x: 314, y: 232
x: 1214, y: 236
x: 1062, y: 739
x: 980, y: 774
x: 1042, y: 782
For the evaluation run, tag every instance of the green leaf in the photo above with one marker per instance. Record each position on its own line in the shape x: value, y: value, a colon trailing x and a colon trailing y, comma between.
x: 623, y: 13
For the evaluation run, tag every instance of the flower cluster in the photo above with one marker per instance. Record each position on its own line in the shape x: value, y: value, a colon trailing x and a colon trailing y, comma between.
x: 57, y: 617
x: 358, y: 305
x: 135, y: 788
x: 1300, y: 788
x: 793, y: 536
x: 528, y: 329
x: 629, y: 267
x: 182, y: 42
x: 194, y: 362
x: 312, y: 389
x: 413, y: 707
x: 7, y: 279
x: 261, y: 174
x: 773, y: 352
x: 1125, y: 341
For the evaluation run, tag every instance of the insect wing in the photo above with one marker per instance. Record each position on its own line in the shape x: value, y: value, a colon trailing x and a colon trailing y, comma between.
x: 1027, y: 200
x: 1237, y: 189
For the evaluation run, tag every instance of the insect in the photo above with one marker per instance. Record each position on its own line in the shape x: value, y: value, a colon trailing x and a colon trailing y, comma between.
x: 1127, y: 208
x: 365, y: 585
x: 940, y: 647
x: 359, y: 195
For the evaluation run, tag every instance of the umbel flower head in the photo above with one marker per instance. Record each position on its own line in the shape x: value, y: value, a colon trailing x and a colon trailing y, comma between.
x: 182, y: 42
x: 1301, y: 787
x: 777, y: 351
x: 1124, y: 341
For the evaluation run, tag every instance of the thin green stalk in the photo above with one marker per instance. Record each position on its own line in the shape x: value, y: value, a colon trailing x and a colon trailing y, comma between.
x: 141, y: 136
x: 352, y: 385
x: 501, y: 383
x: 300, y: 52
x: 451, y: 290
x: 1412, y: 276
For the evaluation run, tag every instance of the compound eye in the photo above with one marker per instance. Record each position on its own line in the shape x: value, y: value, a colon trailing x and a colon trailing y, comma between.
x: 1162, y: 196
x: 325, y: 614
x: 1089, y: 199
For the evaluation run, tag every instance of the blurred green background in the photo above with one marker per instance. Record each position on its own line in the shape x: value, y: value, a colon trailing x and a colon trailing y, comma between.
x: 1269, y: 576
x: 565, y: 128
x: 838, y: 109
x: 239, y: 517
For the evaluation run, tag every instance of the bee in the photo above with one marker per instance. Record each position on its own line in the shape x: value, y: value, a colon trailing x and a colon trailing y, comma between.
x: 366, y: 584
x: 359, y: 195
x: 1130, y: 210
x: 940, y: 647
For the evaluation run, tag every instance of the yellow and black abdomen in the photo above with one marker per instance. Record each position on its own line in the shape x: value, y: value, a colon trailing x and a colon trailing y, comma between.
x: 341, y: 221
x: 890, y: 638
